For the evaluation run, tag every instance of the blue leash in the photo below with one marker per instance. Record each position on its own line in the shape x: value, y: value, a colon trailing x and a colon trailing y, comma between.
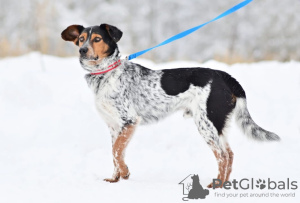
x: 187, y: 32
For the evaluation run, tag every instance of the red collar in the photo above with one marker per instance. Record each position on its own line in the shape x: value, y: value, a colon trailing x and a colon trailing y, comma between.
x: 109, y: 68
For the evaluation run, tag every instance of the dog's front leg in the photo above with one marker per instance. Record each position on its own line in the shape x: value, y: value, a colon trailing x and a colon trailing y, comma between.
x: 119, y: 146
x: 116, y: 175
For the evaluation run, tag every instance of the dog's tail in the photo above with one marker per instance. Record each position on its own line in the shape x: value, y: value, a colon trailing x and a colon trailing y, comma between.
x: 243, y: 118
x: 249, y: 127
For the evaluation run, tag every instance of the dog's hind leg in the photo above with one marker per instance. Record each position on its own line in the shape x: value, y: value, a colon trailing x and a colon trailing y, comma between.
x: 119, y: 146
x: 230, y: 161
x: 211, y: 136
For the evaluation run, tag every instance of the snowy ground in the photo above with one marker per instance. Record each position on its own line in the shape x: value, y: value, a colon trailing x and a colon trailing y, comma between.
x: 55, y: 148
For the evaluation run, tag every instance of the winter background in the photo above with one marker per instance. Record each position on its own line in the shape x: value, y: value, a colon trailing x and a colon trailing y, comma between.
x: 55, y: 148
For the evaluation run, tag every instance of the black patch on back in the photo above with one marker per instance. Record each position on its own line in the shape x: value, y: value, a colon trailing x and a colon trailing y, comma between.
x: 175, y: 81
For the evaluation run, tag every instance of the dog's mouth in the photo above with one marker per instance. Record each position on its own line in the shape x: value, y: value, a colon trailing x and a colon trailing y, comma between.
x: 84, y: 58
x: 90, y: 61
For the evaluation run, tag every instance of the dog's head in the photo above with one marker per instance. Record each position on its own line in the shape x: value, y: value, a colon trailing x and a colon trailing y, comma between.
x: 95, y: 43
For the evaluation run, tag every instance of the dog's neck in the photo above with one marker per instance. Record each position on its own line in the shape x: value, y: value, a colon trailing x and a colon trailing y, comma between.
x: 105, y: 63
x: 108, y: 61
x: 108, y: 64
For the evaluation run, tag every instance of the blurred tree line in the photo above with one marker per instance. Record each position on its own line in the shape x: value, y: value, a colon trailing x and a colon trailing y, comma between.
x: 263, y: 30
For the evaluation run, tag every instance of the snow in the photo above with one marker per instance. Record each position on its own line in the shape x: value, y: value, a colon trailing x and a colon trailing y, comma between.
x: 55, y: 148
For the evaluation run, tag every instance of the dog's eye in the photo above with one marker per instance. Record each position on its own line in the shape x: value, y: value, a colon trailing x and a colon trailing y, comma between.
x: 97, y: 39
x: 81, y: 39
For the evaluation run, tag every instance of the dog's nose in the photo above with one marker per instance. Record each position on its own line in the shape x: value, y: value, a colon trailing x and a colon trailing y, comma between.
x: 83, y: 50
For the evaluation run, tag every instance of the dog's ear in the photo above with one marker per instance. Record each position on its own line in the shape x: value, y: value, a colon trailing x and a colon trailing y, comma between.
x: 72, y: 33
x: 113, y: 31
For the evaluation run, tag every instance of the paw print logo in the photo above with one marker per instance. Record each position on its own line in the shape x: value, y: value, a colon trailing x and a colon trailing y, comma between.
x: 261, y: 184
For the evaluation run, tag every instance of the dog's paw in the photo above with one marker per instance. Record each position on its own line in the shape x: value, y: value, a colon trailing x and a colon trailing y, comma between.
x: 125, y: 173
x: 126, y: 176
x: 112, y: 180
x: 210, y: 185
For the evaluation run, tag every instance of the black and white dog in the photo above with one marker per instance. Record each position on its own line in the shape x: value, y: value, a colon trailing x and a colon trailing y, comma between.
x: 128, y: 94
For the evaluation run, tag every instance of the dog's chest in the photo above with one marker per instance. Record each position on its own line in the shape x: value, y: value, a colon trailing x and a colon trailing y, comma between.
x: 107, y: 95
x: 104, y: 100
x: 106, y: 91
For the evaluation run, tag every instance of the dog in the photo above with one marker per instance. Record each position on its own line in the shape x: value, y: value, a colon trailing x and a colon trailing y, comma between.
x: 128, y: 94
